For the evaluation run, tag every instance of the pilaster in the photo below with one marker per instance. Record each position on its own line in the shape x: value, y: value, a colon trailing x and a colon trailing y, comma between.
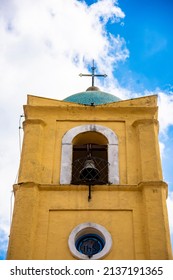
x: 31, y: 159
x: 148, y: 146
x: 21, y: 245
x: 155, y: 219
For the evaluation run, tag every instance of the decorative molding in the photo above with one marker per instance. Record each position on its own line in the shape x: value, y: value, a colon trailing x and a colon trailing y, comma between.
x: 34, y: 121
x: 107, y: 132
x: 145, y: 122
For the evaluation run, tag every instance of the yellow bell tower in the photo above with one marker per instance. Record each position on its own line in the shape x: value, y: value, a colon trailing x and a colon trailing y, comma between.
x: 90, y: 183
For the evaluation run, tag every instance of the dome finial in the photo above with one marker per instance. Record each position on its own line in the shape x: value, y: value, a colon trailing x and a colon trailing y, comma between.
x: 93, y: 74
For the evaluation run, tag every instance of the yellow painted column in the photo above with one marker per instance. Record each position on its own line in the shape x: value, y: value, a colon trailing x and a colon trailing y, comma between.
x: 149, y: 153
x: 22, y: 235
x: 155, y: 219
x: 31, y: 159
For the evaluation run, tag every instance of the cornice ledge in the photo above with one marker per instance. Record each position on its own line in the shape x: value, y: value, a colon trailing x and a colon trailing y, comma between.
x: 145, y: 122
x: 68, y: 187
x: 34, y: 121
x: 159, y: 184
x: 25, y: 185
x: 154, y: 184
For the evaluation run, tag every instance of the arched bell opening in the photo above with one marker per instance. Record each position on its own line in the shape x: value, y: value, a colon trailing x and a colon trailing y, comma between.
x: 89, y: 134
x: 90, y: 159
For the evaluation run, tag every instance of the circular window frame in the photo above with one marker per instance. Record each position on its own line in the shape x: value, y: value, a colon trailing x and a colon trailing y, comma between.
x: 88, y: 228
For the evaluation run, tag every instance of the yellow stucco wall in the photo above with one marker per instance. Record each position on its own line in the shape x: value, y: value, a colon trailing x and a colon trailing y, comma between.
x: 134, y: 212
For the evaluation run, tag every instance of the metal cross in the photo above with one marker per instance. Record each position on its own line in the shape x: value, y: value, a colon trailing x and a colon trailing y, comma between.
x: 93, y: 74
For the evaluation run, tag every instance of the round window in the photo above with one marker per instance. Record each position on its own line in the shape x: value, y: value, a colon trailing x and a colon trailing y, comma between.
x: 90, y: 244
x: 89, y: 241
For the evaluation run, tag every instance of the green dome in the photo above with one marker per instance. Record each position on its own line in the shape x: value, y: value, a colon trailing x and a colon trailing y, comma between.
x: 93, y: 96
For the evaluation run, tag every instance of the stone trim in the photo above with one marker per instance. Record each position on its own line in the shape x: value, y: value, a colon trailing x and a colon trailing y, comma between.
x: 83, y: 229
x: 107, y: 132
x: 113, y: 159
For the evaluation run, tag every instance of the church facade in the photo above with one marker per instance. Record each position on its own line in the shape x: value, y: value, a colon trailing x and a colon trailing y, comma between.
x: 90, y: 182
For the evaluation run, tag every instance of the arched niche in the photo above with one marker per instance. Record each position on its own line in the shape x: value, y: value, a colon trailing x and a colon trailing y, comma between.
x: 79, y: 132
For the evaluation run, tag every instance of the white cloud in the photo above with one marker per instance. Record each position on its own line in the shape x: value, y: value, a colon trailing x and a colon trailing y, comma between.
x: 49, y: 40
x: 165, y: 110
x: 3, y: 244
x: 162, y: 149
x: 170, y: 211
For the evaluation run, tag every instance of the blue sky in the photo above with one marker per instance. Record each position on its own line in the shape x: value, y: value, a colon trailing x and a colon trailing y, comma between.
x: 45, y: 44
x: 148, y: 33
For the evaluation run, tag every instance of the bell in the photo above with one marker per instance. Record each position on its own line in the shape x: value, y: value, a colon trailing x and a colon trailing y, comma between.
x: 89, y: 172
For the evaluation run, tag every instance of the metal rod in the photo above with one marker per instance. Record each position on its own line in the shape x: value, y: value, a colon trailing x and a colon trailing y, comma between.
x: 89, y: 193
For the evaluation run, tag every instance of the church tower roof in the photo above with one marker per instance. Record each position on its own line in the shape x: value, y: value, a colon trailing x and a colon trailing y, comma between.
x: 92, y: 96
